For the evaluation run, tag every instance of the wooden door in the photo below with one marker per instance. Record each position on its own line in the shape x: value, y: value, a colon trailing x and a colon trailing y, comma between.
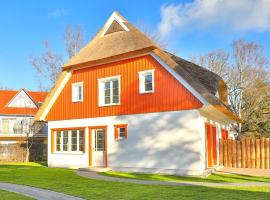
x: 211, y: 145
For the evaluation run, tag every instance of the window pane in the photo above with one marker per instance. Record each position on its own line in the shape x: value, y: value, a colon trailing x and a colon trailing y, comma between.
x: 58, y: 141
x: 100, y: 140
x: 79, y: 92
x: 115, y: 91
x: 115, y: 83
x: 74, y: 140
x: 148, y: 87
x: 107, y: 85
x: 122, y: 132
x: 81, y: 140
x: 58, y: 147
x: 148, y: 78
x: 65, y: 141
x: 148, y: 84
x: 115, y: 99
x: 107, y: 92
x: 107, y: 100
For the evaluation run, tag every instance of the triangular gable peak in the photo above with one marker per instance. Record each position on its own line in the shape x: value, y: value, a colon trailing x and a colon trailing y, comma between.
x: 21, y: 100
x: 116, y: 38
x: 114, y: 24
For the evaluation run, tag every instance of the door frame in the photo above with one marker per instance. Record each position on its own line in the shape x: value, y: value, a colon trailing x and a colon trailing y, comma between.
x: 91, y: 128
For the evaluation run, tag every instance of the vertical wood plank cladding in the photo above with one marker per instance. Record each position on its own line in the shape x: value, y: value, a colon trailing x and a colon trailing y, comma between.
x: 169, y: 94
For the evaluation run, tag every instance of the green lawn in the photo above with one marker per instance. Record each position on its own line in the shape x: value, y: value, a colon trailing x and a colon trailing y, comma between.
x: 11, y: 196
x: 214, y: 178
x: 66, y: 181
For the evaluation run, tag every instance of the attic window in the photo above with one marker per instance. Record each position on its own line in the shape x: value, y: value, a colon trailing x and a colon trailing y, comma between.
x: 115, y: 27
x: 114, y: 24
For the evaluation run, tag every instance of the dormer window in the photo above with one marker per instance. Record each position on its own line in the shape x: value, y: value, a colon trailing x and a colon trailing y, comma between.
x: 77, y: 92
x: 146, y: 82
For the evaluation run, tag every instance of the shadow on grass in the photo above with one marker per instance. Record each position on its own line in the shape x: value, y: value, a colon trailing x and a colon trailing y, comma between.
x: 215, y: 178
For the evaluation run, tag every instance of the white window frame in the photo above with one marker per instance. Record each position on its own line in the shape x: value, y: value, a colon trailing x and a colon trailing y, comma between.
x: 69, y: 141
x: 74, y: 85
x: 101, y: 84
x: 142, y: 81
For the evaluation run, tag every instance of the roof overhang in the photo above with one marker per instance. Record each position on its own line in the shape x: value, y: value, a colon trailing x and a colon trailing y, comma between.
x: 218, y: 114
x: 112, y: 59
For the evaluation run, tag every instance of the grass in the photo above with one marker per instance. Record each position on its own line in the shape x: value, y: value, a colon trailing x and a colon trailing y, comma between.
x: 11, y: 196
x: 214, y: 178
x: 32, y: 164
x: 66, y: 181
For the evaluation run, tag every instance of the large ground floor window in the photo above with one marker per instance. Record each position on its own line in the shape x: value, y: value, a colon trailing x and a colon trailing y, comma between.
x: 70, y: 141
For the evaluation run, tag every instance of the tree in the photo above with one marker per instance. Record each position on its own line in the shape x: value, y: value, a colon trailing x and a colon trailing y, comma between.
x: 249, y: 60
x: 33, y: 128
x: 154, y: 36
x: 216, y: 61
x: 73, y: 40
x: 247, y: 77
x: 49, y: 64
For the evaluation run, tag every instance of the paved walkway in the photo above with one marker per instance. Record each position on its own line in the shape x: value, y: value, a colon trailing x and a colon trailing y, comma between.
x: 244, y: 171
x: 95, y: 175
x: 36, y: 193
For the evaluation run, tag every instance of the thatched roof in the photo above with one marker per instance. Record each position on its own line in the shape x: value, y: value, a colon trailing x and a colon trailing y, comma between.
x: 205, y: 82
x: 119, y: 39
x: 202, y: 80
x: 112, y: 41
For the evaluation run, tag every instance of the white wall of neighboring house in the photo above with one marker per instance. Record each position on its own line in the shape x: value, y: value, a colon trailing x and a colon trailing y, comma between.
x: 166, y: 142
x: 14, y: 123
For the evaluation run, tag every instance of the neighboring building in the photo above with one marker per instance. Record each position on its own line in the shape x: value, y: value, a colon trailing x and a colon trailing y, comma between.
x: 17, y: 111
x: 124, y: 103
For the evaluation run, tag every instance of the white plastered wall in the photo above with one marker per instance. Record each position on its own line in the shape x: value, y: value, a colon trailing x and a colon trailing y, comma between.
x: 166, y: 142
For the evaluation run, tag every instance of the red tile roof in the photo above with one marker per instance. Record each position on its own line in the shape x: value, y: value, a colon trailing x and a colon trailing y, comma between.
x: 7, y: 95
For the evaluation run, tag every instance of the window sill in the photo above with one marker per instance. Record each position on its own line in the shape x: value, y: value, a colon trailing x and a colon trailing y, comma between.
x: 120, y: 139
x: 148, y: 92
x: 77, y: 101
x: 105, y: 105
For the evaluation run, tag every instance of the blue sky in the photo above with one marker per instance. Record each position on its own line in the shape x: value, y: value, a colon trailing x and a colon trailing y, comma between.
x: 188, y: 27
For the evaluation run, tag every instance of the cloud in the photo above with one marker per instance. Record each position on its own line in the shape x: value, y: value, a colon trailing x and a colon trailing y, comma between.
x: 229, y: 15
x: 59, y: 12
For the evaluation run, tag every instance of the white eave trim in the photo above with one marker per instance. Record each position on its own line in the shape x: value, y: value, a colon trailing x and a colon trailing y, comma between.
x: 55, y: 95
x: 180, y: 79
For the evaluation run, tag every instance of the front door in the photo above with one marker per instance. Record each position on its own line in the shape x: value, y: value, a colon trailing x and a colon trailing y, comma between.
x: 98, y: 154
x: 211, y: 142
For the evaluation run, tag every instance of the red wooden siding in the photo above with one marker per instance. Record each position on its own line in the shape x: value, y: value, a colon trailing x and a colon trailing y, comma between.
x: 169, y: 94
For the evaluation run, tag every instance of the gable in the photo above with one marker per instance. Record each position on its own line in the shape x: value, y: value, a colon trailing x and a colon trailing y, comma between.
x: 169, y: 95
x: 112, y: 41
x: 21, y: 100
